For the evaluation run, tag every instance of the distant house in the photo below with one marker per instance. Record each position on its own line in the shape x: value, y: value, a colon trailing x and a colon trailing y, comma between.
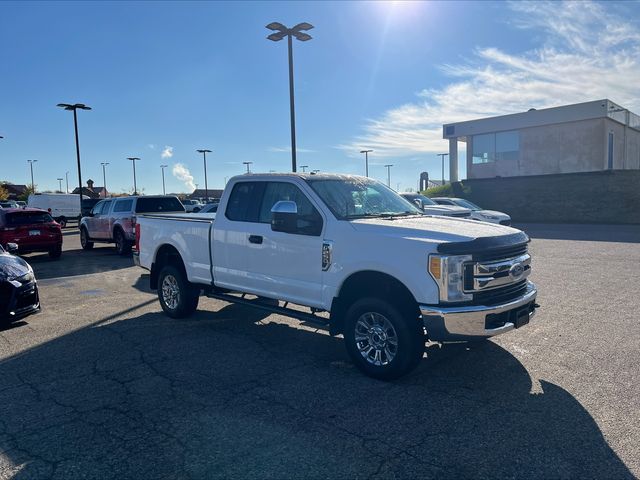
x: 89, y: 190
x: 200, y: 193
x: 15, y: 191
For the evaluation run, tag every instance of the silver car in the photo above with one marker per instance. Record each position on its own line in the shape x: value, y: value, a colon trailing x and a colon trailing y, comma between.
x: 113, y: 220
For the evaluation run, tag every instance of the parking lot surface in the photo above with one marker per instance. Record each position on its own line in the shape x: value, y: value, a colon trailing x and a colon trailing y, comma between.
x: 101, y: 384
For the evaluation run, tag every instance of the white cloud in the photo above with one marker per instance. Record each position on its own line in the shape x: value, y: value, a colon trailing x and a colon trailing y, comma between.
x: 182, y: 173
x: 588, y: 52
x: 151, y: 146
x: 167, y: 152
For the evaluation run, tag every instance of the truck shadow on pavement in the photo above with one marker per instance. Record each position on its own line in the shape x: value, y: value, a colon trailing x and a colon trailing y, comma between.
x: 77, y: 262
x: 234, y: 394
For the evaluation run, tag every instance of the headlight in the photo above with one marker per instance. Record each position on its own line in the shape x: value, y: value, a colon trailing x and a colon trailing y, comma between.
x: 448, y: 272
x: 26, y: 278
x: 490, y: 217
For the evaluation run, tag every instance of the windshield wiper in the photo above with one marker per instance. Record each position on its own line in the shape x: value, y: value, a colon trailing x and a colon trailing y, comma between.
x: 383, y: 215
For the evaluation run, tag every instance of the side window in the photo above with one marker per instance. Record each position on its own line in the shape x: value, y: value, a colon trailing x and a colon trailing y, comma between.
x: 106, y: 207
x: 309, y: 219
x: 123, y: 206
x: 97, y: 208
x: 244, y: 202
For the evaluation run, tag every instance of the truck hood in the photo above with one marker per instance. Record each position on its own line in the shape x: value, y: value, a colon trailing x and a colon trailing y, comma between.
x: 12, y: 267
x: 431, y: 229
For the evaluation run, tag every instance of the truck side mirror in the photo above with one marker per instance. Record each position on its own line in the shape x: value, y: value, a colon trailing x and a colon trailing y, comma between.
x: 418, y: 204
x: 284, y: 217
x: 12, y: 247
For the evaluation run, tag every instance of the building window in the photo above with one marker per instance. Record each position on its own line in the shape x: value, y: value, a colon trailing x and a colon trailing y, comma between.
x: 610, y: 152
x: 502, y: 146
x: 484, y: 148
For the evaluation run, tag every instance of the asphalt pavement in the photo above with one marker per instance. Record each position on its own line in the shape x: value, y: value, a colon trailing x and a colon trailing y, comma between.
x: 101, y: 384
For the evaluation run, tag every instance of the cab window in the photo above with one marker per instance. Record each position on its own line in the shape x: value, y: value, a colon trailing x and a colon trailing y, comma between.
x: 309, y: 219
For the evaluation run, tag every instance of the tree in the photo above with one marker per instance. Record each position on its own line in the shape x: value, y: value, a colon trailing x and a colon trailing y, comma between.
x: 25, y: 196
x: 4, y: 193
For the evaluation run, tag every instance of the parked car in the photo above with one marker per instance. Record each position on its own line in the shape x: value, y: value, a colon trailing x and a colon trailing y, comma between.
x: 192, y: 206
x: 429, y: 207
x: 477, y: 213
x: 62, y: 206
x: 383, y: 272
x: 8, y: 204
x: 209, y: 208
x: 21, y: 204
x: 87, y: 205
x: 18, y: 287
x: 32, y: 229
x: 113, y: 220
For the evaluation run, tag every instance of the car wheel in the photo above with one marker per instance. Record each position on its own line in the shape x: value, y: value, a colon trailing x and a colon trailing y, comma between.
x: 382, y: 341
x: 178, y: 297
x: 56, y: 252
x: 63, y: 222
x: 196, y: 210
x: 84, y: 239
x: 123, y: 246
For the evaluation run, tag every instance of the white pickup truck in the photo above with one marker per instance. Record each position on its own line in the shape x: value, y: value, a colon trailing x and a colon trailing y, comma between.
x: 359, y: 257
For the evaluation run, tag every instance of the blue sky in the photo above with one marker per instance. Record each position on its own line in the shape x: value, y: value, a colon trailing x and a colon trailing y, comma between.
x: 172, y: 77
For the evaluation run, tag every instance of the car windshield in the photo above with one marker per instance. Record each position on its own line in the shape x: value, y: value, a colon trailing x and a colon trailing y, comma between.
x: 466, y: 204
x: 158, y: 204
x: 425, y: 200
x: 27, y: 218
x: 360, y: 198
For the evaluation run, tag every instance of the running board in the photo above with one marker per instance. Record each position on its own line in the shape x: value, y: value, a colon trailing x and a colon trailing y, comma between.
x: 287, y: 312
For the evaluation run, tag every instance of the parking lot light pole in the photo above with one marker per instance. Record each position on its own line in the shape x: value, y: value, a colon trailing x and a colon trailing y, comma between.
x: 74, y: 108
x: 442, y: 155
x: 104, y: 178
x: 135, y: 186
x: 60, y: 183
x: 388, y: 167
x: 66, y: 175
x: 249, y: 163
x: 33, y: 186
x: 366, y: 161
x: 206, y: 187
x: 162, y: 167
x: 280, y: 31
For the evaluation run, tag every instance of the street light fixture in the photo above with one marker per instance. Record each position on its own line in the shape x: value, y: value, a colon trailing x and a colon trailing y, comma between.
x: 388, y: 167
x: 74, y: 108
x: 104, y: 178
x: 33, y: 186
x: 206, y: 187
x: 249, y: 163
x: 366, y: 161
x: 163, y: 189
x: 280, y: 31
x: 315, y: 171
x: 60, y: 183
x: 135, y: 186
x: 304, y: 168
x: 442, y: 155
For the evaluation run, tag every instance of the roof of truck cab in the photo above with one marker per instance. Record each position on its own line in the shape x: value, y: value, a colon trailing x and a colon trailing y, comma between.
x: 303, y: 176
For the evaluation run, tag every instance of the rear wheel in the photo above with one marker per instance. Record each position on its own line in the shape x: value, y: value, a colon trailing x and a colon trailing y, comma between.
x: 55, y: 252
x: 384, y: 341
x: 178, y: 297
x: 123, y: 246
x: 84, y: 239
x: 63, y: 222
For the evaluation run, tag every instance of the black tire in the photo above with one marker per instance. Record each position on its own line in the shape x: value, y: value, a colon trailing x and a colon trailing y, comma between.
x: 178, y: 297
x: 84, y: 239
x: 123, y: 246
x: 374, y: 352
x: 56, y: 252
x: 63, y: 222
x: 196, y: 210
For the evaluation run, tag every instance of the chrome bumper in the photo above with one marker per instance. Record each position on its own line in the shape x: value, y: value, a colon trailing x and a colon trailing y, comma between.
x: 473, y: 322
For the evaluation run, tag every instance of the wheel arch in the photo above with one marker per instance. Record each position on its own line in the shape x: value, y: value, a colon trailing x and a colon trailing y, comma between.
x: 370, y: 283
x: 166, y: 254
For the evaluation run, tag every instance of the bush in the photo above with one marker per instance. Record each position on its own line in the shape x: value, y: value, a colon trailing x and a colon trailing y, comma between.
x: 439, y: 191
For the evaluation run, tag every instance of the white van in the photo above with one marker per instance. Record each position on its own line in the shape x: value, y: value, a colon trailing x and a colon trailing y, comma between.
x: 62, y: 206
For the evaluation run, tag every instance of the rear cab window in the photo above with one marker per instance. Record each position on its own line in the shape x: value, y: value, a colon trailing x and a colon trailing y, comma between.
x: 123, y: 206
x: 158, y: 205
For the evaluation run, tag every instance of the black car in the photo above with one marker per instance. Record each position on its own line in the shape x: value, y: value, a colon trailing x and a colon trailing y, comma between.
x: 18, y: 288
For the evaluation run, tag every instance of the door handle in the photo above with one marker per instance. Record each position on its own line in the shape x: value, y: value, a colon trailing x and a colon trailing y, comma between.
x: 255, y: 239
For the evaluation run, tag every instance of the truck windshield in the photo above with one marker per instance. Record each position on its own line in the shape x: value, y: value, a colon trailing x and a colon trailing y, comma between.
x: 158, y: 204
x: 360, y: 198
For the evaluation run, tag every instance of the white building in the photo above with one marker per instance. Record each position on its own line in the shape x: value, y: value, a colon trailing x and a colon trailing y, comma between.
x: 584, y: 137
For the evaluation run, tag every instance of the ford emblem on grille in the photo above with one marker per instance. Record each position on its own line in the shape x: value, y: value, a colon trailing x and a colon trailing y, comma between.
x: 516, y: 271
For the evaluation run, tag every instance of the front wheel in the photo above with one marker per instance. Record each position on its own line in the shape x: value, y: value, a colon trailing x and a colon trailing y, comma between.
x: 84, y: 239
x: 178, y: 298
x: 63, y: 222
x: 383, y: 341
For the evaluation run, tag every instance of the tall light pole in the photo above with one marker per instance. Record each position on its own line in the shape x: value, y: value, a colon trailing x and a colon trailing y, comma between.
x: 163, y: 167
x: 66, y: 175
x: 74, y: 108
x: 135, y: 186
x: 304, y: 168
x: 280, y: 32
x: 104, y: 177
x: 206, y: 187
x: 388, y: 167
x: 249, y: 163
x: 33, y: 186
x: 60, y: 183
x: 442, y: 155
x: 366, y: 161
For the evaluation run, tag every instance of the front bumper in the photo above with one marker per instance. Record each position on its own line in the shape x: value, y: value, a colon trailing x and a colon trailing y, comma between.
x: 17, y: 301
x: 475, y: 322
